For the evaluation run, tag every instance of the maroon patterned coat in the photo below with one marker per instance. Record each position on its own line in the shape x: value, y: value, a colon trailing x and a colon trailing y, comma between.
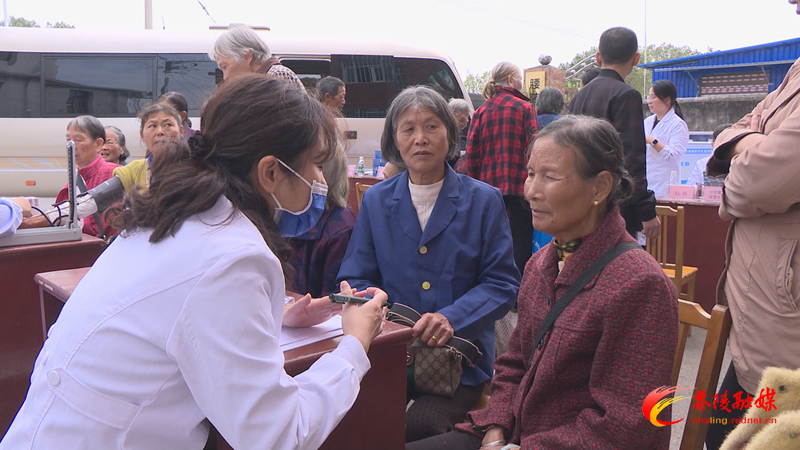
x: 612, y: 346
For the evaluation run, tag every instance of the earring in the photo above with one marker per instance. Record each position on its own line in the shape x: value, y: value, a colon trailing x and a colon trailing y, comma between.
x: 595, y: 203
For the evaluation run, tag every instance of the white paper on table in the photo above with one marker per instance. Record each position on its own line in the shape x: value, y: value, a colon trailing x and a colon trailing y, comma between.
x: 292, y: 338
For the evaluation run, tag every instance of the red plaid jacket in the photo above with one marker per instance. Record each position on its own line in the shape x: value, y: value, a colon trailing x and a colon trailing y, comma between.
x: 499, y: 135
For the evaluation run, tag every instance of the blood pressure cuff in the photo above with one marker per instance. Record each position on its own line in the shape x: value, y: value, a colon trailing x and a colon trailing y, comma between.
x: 107, y: 193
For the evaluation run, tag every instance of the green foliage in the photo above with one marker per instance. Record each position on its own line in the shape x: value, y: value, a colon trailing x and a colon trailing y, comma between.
x: 655, y: 53
x: 661, y: 52
x: 58, y: 25
x: 579, y: 63
x: 21, y: 22
x: 474, y: 83
x: 25, y: 23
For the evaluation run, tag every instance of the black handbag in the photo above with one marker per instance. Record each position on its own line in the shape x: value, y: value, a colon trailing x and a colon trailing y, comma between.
x: 434, y: 370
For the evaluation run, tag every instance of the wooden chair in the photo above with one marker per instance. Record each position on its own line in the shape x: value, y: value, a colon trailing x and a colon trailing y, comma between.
x: 679, y: 274
x: 718, y: 326
x: 360, y: 189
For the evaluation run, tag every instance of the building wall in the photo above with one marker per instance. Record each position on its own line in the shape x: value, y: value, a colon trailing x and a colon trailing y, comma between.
x: 687, y: 81
x: 706, y: 113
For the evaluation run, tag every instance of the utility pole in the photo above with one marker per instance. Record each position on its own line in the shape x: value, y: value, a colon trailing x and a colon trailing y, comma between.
x: 644, y: 71
x: 5, y: 14
x: 148, y: 14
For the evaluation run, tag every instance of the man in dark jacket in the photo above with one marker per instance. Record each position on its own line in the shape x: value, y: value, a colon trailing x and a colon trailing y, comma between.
x: 608, y: 97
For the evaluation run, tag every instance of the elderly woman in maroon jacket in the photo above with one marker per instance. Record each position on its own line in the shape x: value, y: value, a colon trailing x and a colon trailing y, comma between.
x: 583, y: 387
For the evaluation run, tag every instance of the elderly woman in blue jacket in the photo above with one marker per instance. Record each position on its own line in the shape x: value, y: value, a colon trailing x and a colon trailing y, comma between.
x: 438, y: 242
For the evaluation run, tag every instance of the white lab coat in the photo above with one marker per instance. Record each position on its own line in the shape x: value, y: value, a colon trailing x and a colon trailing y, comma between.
x: 672, y: 131
x: 10, y: 217
x: 157, y: 337
x: 698, y: 171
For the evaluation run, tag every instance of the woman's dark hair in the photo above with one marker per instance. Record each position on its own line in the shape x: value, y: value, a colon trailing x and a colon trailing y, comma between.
x: 246, y: 120
x: 418, y: 97
x: 589, y: 75
x: 549, y: 100
x: 597, y: 148
x: 717, y: 131
x: 178, y: 101
x: 155, y: 108
x: 664, y: 89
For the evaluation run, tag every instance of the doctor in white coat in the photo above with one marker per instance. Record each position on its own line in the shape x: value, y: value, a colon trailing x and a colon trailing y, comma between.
x: 667, y: 136
x: 191, y: 330
x: 11, y: 213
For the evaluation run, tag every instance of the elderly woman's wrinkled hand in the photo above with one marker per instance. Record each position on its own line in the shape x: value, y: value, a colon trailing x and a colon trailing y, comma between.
x: 433, y: 329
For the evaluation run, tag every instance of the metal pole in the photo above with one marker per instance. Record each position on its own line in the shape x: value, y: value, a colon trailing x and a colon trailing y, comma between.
x: 148, y: 14
x: 5, y: 14
x: 644, y: 71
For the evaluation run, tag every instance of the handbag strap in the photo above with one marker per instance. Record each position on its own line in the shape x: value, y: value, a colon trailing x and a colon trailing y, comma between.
x: 578, y: 286
x: 408, y: 316
x: 82, y: 187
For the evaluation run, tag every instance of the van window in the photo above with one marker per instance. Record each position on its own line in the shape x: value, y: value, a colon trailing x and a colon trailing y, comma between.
x: 191, y: 74
x: 374, y: 81
x: 20, y: 94
x: 309, y: 71
x: 100, y: 86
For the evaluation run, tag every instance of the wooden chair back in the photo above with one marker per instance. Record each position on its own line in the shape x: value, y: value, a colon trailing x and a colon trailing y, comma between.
x: 360, y: 189
x: 718, y: 326
x: 659, y: 247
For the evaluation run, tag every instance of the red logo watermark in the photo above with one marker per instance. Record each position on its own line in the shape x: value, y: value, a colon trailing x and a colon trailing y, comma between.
x: 658, y: 399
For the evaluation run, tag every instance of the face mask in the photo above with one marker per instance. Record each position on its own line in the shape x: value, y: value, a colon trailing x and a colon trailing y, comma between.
x: 293, y: 224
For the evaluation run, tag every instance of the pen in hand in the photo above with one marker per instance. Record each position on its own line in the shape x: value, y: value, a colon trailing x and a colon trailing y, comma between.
x: 342, y: 299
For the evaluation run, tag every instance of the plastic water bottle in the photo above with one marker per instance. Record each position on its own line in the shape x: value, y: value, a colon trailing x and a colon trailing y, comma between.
x: 360, y: 167
x: 377, y: 162
x: 673, y: 178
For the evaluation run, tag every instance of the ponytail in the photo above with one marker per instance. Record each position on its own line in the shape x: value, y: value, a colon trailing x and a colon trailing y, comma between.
x: 489, y: 89
x: 500, y: 73
x: 678, y: 109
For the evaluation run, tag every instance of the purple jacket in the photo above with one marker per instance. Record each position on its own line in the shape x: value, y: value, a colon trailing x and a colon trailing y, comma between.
x: 610, y: 347
x: 319, y: 252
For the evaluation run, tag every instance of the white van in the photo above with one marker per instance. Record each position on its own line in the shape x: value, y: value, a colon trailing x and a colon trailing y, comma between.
x: 49, y: 76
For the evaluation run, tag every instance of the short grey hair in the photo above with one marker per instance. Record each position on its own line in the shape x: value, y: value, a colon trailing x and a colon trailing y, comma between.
x: 89, y: 125
x: 549, y: 100
x: 460, y: 106
x: 237, y: 41
x: 328, y: 85
x: 120, y: 141
x: 418, y: 97
x: 335, y: 172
